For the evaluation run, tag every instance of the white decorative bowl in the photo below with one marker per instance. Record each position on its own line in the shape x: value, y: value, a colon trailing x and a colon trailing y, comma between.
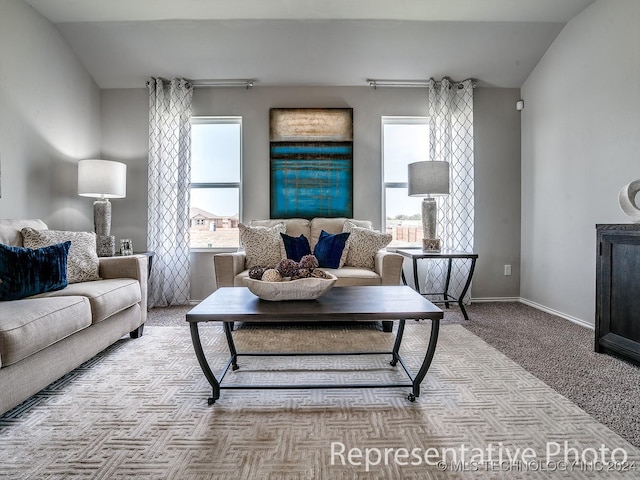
x: 300, y: 289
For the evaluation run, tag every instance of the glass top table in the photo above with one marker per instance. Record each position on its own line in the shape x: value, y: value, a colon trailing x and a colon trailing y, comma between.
x: 415, y: 254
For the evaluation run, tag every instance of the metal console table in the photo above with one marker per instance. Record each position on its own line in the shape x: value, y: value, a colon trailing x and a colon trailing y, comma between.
x: 416, y: 254
x: 340, y: 304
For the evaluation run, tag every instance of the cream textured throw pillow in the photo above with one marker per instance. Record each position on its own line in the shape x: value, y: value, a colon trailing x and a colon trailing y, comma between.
x: 82, y: 263
x: 262, y: 245
x: 363, y: 244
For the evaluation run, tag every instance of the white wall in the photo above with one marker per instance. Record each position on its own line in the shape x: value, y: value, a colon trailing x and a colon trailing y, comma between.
x: 497, y: 146
x: 49, y: 119
x: 580, y: 145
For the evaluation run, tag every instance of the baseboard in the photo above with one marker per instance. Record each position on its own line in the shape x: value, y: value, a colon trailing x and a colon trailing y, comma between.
x: 495, y: 299
x: 537, y: 306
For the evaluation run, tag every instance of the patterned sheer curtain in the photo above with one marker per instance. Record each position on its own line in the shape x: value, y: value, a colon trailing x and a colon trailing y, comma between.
x: 168, y: 200
x: 451, y: 140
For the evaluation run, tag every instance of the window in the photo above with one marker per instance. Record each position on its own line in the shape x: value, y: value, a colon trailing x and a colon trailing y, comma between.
x: 404, y: 140
x: 216, y: 166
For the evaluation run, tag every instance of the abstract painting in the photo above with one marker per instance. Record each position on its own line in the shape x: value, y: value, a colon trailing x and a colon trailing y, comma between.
x: 311, y: 154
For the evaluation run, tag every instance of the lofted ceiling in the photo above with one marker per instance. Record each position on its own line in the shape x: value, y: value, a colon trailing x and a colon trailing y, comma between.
x: 309, y: 42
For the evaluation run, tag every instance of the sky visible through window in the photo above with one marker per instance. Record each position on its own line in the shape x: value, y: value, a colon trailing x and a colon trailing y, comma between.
x: 215, y: 158
x: 403, y: 143
x: 405, y: 140
x: 215, y: 170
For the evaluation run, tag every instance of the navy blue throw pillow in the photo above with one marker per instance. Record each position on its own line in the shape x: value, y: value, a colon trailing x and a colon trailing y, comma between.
x: 329, y: 249
x: 25, y: 271
x: 296, y: 247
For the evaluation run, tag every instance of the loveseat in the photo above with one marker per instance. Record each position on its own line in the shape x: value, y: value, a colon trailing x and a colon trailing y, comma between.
x: 368, y: 264
x: 45, y: 336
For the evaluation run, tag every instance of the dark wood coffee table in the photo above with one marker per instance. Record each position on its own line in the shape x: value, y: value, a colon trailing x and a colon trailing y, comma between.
x: 340, y: 304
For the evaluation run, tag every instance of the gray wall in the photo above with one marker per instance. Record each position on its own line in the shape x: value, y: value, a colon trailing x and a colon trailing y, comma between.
x: 497, y: 192
x: 52, y: 114
x: 125, y: 138
x: 497, y: 146
x: 580, y: 144
x: 49, y: 119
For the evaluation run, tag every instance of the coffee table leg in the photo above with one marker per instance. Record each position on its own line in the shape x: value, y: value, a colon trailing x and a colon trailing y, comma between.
x: 202, y: 360
x: 426, y: 363
x: 232, y: 347
x: 396, y: 345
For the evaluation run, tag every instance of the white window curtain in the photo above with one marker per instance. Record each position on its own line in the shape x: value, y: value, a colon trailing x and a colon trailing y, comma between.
x: 168, y: 197
x: 451, y: 140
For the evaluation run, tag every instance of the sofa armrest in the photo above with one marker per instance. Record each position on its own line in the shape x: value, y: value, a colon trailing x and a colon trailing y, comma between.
x: 130, y: 266
x: 389, y: 266
x: 226, y: 266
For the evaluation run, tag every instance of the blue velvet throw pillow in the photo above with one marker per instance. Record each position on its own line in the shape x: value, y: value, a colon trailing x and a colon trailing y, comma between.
x: 296, y: 247
x: 25, y: 271
x: 329, y: 249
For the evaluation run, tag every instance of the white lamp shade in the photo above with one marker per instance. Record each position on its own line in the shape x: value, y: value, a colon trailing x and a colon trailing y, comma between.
x: 428, y: 178
x: 102, y: 179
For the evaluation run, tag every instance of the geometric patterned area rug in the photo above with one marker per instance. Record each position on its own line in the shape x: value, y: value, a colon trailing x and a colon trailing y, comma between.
x: 139, y: 410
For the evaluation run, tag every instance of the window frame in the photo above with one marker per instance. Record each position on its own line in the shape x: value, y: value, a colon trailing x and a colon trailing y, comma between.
x: 221, y: 119
x: 394, y: 120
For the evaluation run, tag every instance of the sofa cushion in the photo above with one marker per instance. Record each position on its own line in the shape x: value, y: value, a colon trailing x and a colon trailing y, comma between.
x: 347, y: 276
x: 10, y: 230
x: 263, y: 245
x: 106, y: 297
x: 32, y: 324
x: 25, y: 271
x: 295, y: 247
x: 354, y: 276
x: 294, y: 226
x: 331, y: 225
x: 363, y: 244
x: 238, y: 280
x: 82, y: 263
x: 330, y: 249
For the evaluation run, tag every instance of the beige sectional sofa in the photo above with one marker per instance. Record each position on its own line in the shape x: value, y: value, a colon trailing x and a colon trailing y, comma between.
x: 45, y: 336
x: 230, y: 268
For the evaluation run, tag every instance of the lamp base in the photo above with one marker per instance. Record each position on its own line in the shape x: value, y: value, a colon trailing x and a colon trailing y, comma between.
x: 106, y: 245
x: 102, y: 217
x: 431, y: 245
x: 105, y: 242
x: 429, y: 225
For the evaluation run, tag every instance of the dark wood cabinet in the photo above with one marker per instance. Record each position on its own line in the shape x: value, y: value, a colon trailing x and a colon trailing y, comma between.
x: 618, y: 290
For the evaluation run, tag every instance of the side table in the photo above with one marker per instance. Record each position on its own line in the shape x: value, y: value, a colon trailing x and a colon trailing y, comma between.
x: 416, y: 254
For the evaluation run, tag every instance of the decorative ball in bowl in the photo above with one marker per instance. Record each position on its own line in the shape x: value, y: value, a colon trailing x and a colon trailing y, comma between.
x: 308, y: 288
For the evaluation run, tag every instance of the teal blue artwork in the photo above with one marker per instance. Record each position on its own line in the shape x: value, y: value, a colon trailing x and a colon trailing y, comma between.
x: 311, y: 155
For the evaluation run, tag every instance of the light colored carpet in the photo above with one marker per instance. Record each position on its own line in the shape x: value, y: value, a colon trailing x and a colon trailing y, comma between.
x: 558, y: 352
x: 139, y: 410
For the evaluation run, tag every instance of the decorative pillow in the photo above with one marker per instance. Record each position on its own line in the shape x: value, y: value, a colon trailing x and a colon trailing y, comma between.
x: 296, y: 247
x: 363, y: 244
x: 261, y: 245
x: 329, y: 249
x: 25, y: 271
x: 82, y: 264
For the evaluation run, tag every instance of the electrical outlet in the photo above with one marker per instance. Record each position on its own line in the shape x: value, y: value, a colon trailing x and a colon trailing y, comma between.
x: 507, y: 270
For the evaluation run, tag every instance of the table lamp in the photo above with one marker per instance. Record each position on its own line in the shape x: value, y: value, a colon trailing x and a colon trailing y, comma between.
x: 427, y: 179
x: 102, y: 179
